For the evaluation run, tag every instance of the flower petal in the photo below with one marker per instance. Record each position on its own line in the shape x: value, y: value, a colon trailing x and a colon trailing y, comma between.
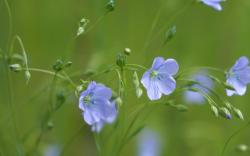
x: 153, y: 91
x: 158, y: 61
x: 243, y: 75
x: 240, y: 88
x: 214, y: 4
x: 146, y: 79
x: 101, y: 91
x: 166, y: 84
x: 169, y: 67
x: 90, y: 118
x: 241, y: 63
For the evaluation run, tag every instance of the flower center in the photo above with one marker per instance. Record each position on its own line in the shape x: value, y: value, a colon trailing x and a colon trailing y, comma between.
x: 153, y: 74
x: 86, y: 100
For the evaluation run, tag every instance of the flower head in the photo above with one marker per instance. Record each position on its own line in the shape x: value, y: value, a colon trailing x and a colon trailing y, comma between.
x: 149, y: 143
x: 239, y: 77
x: 213, y: 3
x: 195, y: 97
x: 95, y: 102
x: 159, y: 79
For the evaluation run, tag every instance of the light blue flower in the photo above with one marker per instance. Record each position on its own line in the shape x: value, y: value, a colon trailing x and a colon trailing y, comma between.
x: 95, y: 102
x: 239, y: 77
x: 149, y: 143
x: 213, y: 3
x: 195, y: 97
x: 159, y: 79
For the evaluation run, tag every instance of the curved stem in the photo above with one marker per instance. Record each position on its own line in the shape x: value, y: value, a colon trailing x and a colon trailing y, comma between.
x: 233, y: 135
x: 47, y: 72
x: 137, y: 66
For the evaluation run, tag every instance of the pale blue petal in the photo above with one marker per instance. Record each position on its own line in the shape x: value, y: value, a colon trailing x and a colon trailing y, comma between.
x: 170, y: 67
x: 166, y: 84
x: 101, y: 91
x: 158, y: 61
x: 214, y: 4
x: 243, y: 75
x: 146, y: 79
x: 240, y: 88
x: 90, y: 117
x: 241, y: 63
x: 153, y: 91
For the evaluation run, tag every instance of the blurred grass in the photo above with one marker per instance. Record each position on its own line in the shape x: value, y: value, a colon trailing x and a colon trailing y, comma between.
x: 204, y: 38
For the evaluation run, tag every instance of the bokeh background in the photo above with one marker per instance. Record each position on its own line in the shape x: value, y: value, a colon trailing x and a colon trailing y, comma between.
x: 204, y: 37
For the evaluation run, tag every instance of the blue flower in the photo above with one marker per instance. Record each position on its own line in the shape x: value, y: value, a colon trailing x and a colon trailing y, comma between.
x: 214, y: 4
x: 149, y: 143
x: 95, y: 102
x: 159, y: 79
x: 195, y: 97
x: 239, y: 77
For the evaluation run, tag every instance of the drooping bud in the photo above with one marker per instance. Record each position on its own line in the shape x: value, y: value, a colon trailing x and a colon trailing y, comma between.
x: 139, y: 92
x: 181, y: 108
x: 215, y: 110
x: 118, y: 101
x: 238, y: 113
x: 15, y: 67
x: 58, y: 66
x: 27, y: 75
x: 224, y: 112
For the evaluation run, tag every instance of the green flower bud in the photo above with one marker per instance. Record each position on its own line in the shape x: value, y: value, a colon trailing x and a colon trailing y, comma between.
x: 15, y: 67
x: 111, y: 5
x: 27, y: 75
x: 139, y: 92
x: 242, y: 148
x: 215, y: 110
x: 58, y: 66
x: 224, y: 112
x: 50, y: 125
x: 121, y: 60
x: 181, y: 108
x: 118, y: 101
x: 238, y: 113
x: 127, y: 51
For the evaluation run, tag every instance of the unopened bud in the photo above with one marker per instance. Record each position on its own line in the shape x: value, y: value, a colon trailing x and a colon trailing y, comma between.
x: 215, y: 110
x: 181, y: 108
x: 224, y: 112
x: 50, y: 125
x: 118, y: 101
x: 238, y: 113
x: 111, y: 5
x: 15, y: 67
x: 242, y: 148
x: 127, y: 51
x: 121, y: 60
x: 27, y: 75
x: 139, y: 92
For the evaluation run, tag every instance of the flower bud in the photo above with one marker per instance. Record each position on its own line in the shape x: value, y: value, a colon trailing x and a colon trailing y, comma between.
x: 58, y: 66
x: 15, y: 67
x: 127, y: 51
x: 118, y: 101
x: 139, y: 92
x: 50, y: 125
x: 238, y: 113
x: 111, y: 5
x: 215, y: 110
x: 224, y: 112
x: 181, y: 108
x: 121, y: 60
x: 27, y: 75
x: 242, y: 148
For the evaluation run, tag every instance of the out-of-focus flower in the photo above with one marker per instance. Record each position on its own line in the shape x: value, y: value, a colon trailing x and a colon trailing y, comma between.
x: 95, y: 102
x: 159, y: 79
x: 214, y: 4
x: 52, y: 150
x: 239, y: 77
x: 149, y: 143
x: 205, y: 83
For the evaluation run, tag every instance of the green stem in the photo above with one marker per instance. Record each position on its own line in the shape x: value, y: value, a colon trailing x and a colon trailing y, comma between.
x: 233, y: 135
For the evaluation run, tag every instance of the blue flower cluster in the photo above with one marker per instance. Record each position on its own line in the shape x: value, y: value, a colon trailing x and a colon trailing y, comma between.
x: 98, y: 108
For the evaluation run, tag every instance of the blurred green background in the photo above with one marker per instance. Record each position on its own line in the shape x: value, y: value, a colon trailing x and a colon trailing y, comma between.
x: 204, y: 37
